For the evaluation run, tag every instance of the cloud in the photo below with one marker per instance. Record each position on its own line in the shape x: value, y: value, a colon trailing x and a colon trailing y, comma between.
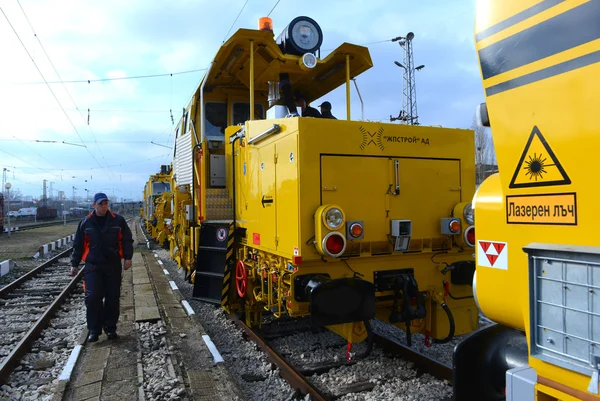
x: 114, y: 39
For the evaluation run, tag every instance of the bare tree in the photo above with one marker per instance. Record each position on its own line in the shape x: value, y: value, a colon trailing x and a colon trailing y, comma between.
x: 14, y: 195
x: 485, y: 155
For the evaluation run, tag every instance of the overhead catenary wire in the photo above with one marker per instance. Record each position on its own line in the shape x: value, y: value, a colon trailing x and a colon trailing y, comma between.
x: 65, y: 88
x: 29, y: 163
x: 88, y: 169
x: 42, y: 157
x: 66, y: 143
x: 236, y: 18
x: 88, y: 81
x: 50, y: 88
x: 268, y: 15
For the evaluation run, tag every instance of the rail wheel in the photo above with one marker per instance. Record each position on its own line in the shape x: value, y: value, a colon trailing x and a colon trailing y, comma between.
x: 241, y: 278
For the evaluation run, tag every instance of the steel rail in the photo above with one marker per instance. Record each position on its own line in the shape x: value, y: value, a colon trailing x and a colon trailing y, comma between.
x: 422, y: 362
x: 296, y: 379
x: 24, y: 346
x: 11, y: 286
x: 33, y: 226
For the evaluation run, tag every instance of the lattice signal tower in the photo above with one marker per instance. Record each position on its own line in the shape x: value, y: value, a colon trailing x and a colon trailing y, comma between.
x: 408, y: 115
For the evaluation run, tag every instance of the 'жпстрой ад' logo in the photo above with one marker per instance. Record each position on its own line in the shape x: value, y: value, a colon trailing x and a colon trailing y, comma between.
x: 371, y: 138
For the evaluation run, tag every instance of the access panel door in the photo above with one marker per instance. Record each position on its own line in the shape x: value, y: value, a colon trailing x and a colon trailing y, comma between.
x: 377, y: 189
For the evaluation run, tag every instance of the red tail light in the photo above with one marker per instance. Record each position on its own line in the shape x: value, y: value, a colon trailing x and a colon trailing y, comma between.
x: 334, y: 244
x: 470, y: 236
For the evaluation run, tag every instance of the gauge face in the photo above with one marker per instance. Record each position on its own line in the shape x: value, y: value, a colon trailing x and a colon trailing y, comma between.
x: 305, y: 35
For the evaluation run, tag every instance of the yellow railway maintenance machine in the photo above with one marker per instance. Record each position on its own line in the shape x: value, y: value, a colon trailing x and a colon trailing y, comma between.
x: 155, y: 192
x: 341, y: 220
x: 538, y: 259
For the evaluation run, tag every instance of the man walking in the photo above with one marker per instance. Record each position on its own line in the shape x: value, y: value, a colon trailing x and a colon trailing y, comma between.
x: 102, y: 239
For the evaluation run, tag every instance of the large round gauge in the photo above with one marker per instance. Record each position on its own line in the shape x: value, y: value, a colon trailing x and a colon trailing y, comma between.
x: 303, y: 35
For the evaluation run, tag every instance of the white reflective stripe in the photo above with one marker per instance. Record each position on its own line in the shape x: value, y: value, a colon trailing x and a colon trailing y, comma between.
x: 166, y: 272
x: 160, y: 262
x: 65, y: 375
x: 188, y: 308
x: 173, y: 285
x: 212, y: 348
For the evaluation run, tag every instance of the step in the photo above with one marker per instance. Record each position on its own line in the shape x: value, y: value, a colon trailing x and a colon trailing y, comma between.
x: 219, y: 202
x: 219, y: 213
x: 217, y: 192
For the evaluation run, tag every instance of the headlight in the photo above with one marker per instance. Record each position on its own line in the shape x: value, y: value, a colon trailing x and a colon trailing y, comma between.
x: 302, y: 35
x: 469, y: 213
x: 334, y: 218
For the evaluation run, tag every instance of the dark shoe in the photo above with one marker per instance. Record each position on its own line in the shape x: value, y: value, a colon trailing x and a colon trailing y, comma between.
x: 112, y: 336
x: 92, y: 337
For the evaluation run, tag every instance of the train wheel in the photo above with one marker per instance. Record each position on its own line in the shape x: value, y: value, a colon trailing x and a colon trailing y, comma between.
x: 241, y: 278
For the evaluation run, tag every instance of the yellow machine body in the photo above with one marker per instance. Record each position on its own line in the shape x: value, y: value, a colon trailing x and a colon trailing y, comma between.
x: 538, y: 257
x: 154, y: 212
x: 252, y: 192
x: 315, y: 162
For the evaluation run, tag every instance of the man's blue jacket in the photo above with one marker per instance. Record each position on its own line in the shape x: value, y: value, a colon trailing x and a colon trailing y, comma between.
x: 102, y: 245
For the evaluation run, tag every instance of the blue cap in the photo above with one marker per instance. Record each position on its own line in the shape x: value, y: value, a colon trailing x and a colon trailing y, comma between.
x: 99, y: 197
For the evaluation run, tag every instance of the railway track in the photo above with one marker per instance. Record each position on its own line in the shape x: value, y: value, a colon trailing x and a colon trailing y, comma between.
x: 26, y: 307
x: 315, y: 378
x: 31, y: 226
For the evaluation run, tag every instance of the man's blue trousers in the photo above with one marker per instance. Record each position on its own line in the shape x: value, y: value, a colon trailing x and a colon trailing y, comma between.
x: 102, y: 291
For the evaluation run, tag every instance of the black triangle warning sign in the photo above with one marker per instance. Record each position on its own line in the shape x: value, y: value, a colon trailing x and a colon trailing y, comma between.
x: 538, y: 166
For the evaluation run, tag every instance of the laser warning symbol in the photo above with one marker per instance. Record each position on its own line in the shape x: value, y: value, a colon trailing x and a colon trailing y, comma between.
x: 538, y: 166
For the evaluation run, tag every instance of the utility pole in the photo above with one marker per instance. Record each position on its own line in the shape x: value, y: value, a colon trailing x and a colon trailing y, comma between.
x: 44, y: 202
x: 408, y: 115
x: 5, y: 191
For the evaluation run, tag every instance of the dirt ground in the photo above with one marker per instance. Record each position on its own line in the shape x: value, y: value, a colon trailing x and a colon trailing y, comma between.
x: 25, y: 244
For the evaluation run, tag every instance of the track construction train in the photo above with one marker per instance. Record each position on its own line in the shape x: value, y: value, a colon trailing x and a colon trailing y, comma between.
x: 342, y: 221
x: 538, y: 254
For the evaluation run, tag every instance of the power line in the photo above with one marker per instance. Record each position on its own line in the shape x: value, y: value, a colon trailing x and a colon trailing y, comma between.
x: 87, y: 81
x: 50, y: 88
x: 88, y: 169
x: 273, y: 8
x: 64, y: 86
x: 236, y: 18
x: 24, y: 144
x: 26, y: 162
x: 61, y: 142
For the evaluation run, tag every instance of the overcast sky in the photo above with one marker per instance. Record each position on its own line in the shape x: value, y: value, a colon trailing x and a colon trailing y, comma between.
x: 130, y: 119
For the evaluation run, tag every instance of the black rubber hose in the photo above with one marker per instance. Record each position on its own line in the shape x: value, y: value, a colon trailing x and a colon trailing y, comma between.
x: 370, y: 341
x: 451, y: 332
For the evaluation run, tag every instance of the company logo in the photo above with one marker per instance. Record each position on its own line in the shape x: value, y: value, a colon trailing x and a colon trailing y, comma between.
x: 371, y: 138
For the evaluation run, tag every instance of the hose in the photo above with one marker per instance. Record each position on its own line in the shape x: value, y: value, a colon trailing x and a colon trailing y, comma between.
x: 451, y: 321
x: 370, y: 341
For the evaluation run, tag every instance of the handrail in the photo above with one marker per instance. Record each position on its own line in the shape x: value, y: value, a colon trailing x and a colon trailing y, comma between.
x: 264, y: 135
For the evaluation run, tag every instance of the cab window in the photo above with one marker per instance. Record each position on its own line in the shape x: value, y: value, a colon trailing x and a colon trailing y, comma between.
x: 241, y: 112
x: 216, y: 118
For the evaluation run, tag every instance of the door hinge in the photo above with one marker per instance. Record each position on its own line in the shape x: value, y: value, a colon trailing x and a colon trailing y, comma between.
x: 275, y: 159
x: 277, y: 240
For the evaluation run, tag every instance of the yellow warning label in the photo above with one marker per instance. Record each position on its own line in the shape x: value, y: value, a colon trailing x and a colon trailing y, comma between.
x: 558, y: 209
x: 538, y: 165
